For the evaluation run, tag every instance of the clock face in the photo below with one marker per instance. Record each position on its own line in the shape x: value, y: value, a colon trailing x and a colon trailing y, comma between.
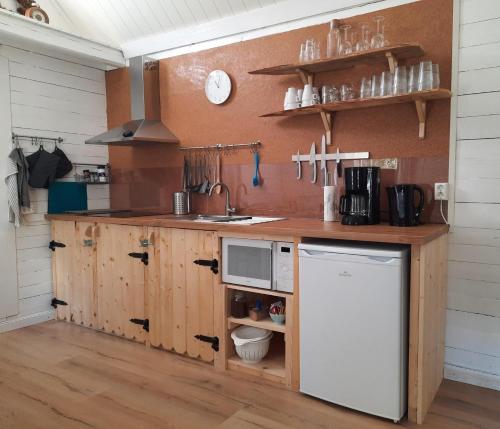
x: 218, y: 87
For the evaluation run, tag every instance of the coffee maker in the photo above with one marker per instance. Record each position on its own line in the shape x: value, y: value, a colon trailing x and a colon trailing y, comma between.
x: 361, y: 203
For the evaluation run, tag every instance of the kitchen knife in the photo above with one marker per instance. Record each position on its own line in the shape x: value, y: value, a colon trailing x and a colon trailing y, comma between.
x: 339, y: 163
x: 299, y: 167
x: 323, y: 160
x: 312, y: 162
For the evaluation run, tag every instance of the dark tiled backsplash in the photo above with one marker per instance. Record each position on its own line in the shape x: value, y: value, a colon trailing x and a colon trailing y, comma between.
x: 279, y: 194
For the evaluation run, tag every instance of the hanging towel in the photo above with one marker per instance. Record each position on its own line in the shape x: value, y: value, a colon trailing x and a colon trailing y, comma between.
x: 42, y: 168
x: 12, y: 192
x: 17, y: 156
x: 64, y: 166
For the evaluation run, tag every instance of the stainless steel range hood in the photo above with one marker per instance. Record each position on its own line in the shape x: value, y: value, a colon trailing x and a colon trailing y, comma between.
x: 140, y: 129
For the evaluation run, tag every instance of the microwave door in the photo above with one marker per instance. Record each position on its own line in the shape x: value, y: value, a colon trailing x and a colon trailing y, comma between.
x: 247, y: 262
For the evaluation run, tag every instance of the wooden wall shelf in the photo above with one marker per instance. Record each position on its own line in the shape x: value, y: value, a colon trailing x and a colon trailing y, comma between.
x: 306, y: 71
x: 419, y: 98
x: 262, y: 324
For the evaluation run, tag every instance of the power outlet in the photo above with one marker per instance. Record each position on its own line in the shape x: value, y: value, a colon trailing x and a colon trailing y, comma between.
x: 441, y: 191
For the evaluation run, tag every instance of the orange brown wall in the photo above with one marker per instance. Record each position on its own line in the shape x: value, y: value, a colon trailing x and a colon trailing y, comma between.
x: 146, y: 176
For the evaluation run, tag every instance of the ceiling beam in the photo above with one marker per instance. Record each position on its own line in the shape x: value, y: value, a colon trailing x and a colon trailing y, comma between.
x: 16, y: 30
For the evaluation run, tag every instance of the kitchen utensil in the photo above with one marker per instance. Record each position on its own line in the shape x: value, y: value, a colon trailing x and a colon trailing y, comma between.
x: 217, y: 177
x: 375, y: 89
x: 436, y: 81
x: 251, y: 344
x: 299, y: 167
x: 400, y: 84
x: 255, y: 180
x: 386, y: 83
x: 291, y: 99
x: 413, y: 78
x: 363, y: 44
x: 323, y: 164
x: 347, y: 92
x: 402, y: 208
x: 339, y: 163
x: 425, y: 76
x: 307, y: 95
x: 333, y: 40
x: 365, y: 88
x: 345, y: 43
x: 312, y: 162
x: 378, y: 40
x: 179, y: 203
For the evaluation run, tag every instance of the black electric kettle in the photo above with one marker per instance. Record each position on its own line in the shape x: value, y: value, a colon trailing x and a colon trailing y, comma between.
x: 403, y: 211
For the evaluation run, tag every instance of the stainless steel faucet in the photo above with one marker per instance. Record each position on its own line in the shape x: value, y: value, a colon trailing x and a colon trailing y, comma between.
x: 229, y: 210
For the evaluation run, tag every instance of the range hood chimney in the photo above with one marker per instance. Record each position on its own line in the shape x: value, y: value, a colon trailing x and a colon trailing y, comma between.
x: 146, y: 125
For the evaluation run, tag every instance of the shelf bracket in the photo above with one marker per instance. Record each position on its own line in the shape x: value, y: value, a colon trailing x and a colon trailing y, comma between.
x: 421, y: 106
x: 393, y: 61
x: 326, y: 117
x: 306, y: 78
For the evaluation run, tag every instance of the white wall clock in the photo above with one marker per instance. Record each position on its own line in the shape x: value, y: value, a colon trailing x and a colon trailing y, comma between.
x: 218, y: 87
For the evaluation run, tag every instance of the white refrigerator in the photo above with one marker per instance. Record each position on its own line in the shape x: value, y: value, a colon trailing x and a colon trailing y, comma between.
x: 353, y: 325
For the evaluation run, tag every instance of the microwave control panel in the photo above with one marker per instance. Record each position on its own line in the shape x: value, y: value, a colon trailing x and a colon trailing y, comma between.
x: 283, y: 266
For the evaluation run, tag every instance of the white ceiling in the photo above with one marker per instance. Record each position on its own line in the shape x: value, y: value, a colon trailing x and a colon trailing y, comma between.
x: 118, y: 22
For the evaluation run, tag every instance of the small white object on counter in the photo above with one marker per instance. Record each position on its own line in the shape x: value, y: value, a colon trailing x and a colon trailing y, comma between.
x: 329, y: 203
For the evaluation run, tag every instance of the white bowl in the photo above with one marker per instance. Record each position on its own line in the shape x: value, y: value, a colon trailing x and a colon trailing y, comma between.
x: 251, y: 344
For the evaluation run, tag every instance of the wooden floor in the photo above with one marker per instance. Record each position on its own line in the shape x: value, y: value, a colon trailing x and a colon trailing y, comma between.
x: 57, y: 375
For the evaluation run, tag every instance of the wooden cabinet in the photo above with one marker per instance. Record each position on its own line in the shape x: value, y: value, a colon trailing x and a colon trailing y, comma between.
x: 73, y: 265
x: 120, y: 280
x: 181, y: 292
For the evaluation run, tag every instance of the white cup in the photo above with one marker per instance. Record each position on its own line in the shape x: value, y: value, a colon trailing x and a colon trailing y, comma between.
x: 291, y: 99
x: 307, y: 95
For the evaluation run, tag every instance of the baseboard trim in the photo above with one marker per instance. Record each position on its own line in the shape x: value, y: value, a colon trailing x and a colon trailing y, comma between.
x: 469, y: 376
x: 23, y: 321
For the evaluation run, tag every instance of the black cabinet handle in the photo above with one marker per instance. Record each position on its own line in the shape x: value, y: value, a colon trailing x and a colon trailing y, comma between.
x: 212, y: 340
x: 143, y: 322
x: 53, y: 244
x: 55, y: 302
x: 212, y: 263
x: 143, y: 256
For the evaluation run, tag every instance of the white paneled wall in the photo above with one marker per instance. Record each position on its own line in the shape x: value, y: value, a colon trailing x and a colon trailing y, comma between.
x: 473, y: 324
x: 51, y: 98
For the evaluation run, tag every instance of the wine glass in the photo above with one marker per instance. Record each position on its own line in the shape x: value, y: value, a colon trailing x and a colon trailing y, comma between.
x: 378, y: 39
x: 364, y: 43
x: 346, y: 44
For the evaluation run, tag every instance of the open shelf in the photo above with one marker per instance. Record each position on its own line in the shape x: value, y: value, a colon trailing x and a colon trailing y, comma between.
x: 419, y: 98
x: 307, y: 70
x: 258, y: 290
x: 272, y: 367
x: 263, y: 324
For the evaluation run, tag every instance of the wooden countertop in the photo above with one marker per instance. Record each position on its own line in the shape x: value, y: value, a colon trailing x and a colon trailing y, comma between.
x: 291, y: 227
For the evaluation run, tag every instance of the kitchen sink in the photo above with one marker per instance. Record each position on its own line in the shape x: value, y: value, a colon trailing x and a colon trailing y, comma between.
x: 209, y: 218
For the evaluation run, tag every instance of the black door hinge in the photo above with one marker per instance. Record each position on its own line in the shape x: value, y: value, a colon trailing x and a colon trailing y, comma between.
x: 53, y: 244
x: 144, y: 257
x: 212, y: 340
x: 55, y: 302
x: 212, y: 263
x: 143, y: 322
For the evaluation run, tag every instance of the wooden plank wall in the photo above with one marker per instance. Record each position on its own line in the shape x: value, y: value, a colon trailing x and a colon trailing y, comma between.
x: 51, y: 98
x: 473, y: 315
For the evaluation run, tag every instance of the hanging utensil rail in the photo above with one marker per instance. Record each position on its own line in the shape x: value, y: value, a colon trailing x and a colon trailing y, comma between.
x: 224, y: 147
x: 36, y: 139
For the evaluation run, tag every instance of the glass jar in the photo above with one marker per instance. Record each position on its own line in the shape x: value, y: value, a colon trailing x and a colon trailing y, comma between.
x: 239, y: 305
x: 101, y: 173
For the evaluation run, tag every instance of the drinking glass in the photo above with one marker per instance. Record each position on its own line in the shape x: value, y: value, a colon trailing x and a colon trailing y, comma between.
x: 375, y: 89
x: 345, y: 44
x: 425, y: 76
x: 400, y: 84
x: 378, y: 39
x: 436, y: 81
x: 365, y: 88
x: 333, y: 41
x: 317, y: 51
x: 413, y: 78
x: 346, y: 92
x: 329, y: 94
x: 386, y: 83
x: 309, y: 50
x: 302, y: 54
x: 363, y: 44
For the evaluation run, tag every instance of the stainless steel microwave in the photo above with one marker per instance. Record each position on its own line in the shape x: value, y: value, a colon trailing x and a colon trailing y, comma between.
x: 258, y: 263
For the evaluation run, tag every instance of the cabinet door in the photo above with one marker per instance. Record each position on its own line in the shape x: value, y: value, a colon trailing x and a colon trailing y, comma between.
x: 73, y: 271
x: 180, y: 292
x: 120, y: 280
